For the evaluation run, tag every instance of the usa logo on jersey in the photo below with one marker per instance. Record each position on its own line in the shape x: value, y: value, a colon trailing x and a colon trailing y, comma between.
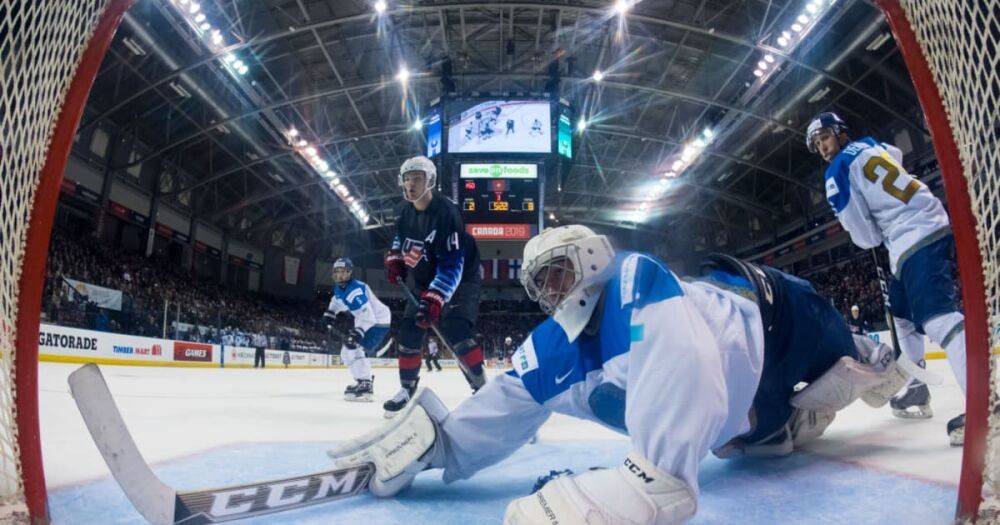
x: 413, y: 252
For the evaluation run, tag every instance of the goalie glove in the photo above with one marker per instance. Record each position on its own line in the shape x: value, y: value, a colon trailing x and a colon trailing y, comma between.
x: 409, y: 444
x: 634, y: 493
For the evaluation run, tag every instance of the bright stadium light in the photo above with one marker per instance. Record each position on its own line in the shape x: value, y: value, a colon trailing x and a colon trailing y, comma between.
x: 403, y: 75
x: 758, y: 73
x: 293, y: 133
x: 597, y: 76
x: 677, y: 165
x: 581, y: 124
x: 797, y: 28
x: 782, y: 41
x: 769, y: 58
x: 418, y: 124
x: 708, y: 134
x: 205, y: 26
x: 762, y: 65
x: 311, y: 151
x: 200, y: 17
x: 302, y: 144
x: 216, y: 37
x: 802, y: 19
x: 193, y: 8
x: 380, y: 6
x: 622, y: 6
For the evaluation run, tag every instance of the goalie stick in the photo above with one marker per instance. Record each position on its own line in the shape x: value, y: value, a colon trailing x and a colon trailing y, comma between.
x: 908, y: 366
x: 162, y: 504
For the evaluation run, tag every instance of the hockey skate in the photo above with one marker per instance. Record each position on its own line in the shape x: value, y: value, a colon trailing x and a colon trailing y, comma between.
x: 913, y: 403
x: 398, y: 402
x: 362, y: 391
x: 956, y: 431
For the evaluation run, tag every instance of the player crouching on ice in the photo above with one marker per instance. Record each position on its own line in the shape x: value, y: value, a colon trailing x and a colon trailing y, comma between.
x: 362, y: 321
x: 682, y: 368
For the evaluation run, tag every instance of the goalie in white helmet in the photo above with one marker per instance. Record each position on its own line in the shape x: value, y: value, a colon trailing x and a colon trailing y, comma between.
x: 682, y: 368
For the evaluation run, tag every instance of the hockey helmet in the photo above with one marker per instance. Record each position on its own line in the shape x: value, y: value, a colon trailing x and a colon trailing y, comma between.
x: 826, y: 120
x: 342, y: 263
x: 423, y: 164
x: 564, y: 270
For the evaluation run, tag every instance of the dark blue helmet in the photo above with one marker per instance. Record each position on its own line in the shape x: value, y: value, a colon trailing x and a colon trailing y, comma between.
x: 826, y: 120
x: 343, y: 262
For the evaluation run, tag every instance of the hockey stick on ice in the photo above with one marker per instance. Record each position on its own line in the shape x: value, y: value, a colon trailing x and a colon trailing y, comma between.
x: 908, y: 366
x: 162, y: 504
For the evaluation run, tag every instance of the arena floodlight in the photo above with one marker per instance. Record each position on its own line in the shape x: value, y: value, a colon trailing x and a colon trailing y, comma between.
x: 581, y: 124
x: 418, y: 124
x: 622, y: 7
x: 380, y: 7
x: 597, y: 76
x: 404, y: 75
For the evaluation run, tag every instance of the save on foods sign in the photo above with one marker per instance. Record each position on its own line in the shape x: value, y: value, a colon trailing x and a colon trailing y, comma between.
x: 499, y: 171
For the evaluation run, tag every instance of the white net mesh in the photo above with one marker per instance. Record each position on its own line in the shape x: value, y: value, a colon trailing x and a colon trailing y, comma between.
x: 960, y: 42
x: 41, y: 45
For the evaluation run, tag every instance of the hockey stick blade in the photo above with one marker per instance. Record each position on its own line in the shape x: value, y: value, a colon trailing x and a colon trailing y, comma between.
x: 161, y: 504
x: 920, y: 374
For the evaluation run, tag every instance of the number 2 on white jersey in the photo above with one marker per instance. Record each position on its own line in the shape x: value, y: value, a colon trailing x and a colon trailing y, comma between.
x: 891, y: 172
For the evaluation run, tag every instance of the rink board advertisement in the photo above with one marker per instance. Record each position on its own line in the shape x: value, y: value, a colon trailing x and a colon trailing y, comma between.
x: 75, y: 345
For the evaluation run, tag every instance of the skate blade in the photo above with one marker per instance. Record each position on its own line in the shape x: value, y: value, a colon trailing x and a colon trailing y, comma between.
x: 920, y: 412
x: 361, y: 399
x: 389, y: 414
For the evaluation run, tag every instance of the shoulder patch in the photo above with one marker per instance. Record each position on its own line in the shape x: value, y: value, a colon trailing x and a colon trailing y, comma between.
x: 354, y: 294
x: 644, y: 279
x: 524, y: 359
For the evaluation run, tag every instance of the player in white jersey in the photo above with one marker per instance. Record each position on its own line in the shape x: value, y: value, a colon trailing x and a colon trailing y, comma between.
x: 878, y: 203
x: 682, y: 368
x: 362, y: 322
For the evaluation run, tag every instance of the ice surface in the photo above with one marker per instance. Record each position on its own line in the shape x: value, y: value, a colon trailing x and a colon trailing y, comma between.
x: 209, y: 427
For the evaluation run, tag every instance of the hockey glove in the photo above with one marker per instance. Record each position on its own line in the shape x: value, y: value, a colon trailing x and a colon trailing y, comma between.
x: 635, y: 492
x: 343, y: 322
x: 411, y: 443
x: 395, y: 267
x: 429, y: 308
x: 354, y: 337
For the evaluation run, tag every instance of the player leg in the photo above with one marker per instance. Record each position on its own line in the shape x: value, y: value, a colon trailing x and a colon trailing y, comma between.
x: 915, y: 401
x: 928, y: 276
x: 437, y: 363
x: 361, y: 370
x: 361, y: 367
x: 456, y: 327
x: 809, y: 341
x: 410, y: 339
x: 427, y: 361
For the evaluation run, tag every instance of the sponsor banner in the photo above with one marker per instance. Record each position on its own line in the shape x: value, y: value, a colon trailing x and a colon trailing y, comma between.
x: 499, y: 171
x: 103, y: 297
x: 511, y: 232
x: 170, y: 233
x: 91, y: 346
x: 241, y: 356
x: 185, y: 351
x: 127, y: 213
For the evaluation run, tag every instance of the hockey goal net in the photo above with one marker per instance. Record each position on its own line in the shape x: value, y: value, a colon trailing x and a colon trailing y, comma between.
x: 50, y: 52
x: 951, y: 51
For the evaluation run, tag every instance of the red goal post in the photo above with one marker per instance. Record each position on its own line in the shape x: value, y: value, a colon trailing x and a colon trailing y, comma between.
x: 50, y: 52
x: 950, y: 48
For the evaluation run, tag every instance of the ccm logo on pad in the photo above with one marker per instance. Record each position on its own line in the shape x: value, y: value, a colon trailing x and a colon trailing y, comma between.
x: 184, y: 351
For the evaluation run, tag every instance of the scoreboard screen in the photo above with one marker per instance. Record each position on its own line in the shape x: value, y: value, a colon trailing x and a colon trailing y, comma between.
x: 499, y: 201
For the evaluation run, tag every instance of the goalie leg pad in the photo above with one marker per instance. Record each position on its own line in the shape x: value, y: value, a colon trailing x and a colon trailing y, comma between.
x: 400, y: 449
x: 808, y: 425
x: 844, y: 382
x: 634, y: 493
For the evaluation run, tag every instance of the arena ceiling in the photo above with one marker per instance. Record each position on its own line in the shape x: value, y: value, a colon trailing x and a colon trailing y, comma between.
x: 329, y: 69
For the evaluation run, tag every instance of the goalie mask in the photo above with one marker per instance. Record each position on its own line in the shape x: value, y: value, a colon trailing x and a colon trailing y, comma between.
x: 342, y: 269
x: 564, y: 273
x: 423, y: 165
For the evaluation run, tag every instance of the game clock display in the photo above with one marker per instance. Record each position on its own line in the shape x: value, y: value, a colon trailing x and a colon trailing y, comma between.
x: 499, y: 200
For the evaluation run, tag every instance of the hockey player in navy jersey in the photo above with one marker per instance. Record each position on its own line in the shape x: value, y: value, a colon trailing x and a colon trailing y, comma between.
x: 878, y: 203
x: 431, y: 244
x: 682, y: 368
x: 363, y: 321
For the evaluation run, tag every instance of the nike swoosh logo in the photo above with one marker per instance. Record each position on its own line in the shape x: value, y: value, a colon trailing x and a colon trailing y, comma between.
x: 563, y: 378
